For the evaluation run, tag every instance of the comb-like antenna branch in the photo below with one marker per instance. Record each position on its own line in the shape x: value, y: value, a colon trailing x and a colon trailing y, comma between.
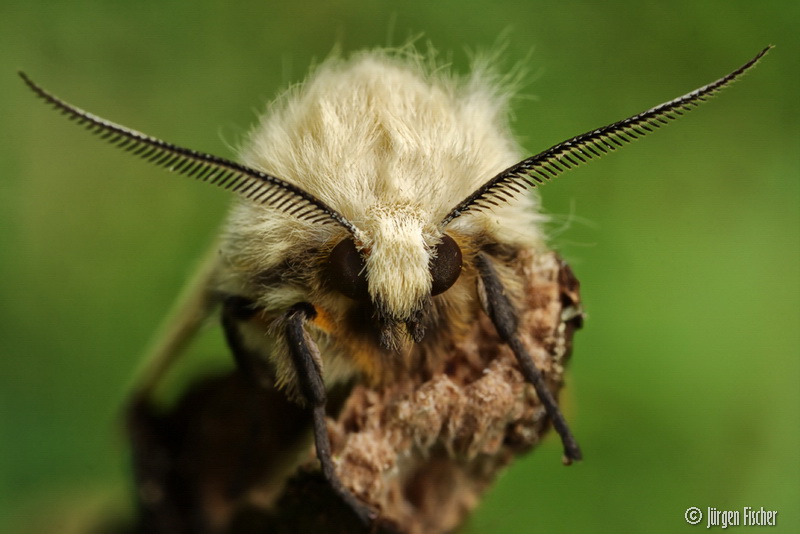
x: 250, y: 183
x: 580, y: 149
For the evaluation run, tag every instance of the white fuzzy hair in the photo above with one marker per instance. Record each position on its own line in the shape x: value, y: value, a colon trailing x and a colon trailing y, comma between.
x: 393, y: 144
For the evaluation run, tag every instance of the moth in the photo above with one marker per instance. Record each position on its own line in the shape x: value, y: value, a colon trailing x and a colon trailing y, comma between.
x: 380, y: 209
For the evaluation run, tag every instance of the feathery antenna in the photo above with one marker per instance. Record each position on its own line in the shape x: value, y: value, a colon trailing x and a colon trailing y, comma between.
x: 580, y: 149
x: 255, y: 185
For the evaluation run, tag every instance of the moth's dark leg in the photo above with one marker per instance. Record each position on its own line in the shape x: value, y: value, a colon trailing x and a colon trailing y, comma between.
x: 504, y: 317
x: 304, y: 355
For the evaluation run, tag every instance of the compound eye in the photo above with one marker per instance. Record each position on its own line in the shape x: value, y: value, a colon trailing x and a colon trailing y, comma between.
x: 345, y: 271
x: 445, y: 267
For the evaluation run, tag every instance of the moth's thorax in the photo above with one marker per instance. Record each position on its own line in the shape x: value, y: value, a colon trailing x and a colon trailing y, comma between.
x: 378, y: 129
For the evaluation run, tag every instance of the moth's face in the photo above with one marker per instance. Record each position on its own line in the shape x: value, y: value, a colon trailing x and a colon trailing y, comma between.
x: 396, y: 279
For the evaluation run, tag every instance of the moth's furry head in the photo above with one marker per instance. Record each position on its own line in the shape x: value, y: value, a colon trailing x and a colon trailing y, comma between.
x: 392, y: 142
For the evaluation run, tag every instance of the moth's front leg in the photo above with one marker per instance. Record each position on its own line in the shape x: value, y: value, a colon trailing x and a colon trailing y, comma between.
x: 305, y: 358
x: 504, y: 317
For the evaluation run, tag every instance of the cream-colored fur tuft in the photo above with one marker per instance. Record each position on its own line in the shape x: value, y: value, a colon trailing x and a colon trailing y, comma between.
x: 383, y: 135
x: 393, y: 143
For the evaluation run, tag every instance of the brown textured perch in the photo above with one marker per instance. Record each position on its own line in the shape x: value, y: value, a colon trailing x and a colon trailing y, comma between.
x: 231, y: 458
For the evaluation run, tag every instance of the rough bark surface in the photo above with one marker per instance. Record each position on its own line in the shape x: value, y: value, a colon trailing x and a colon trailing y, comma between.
x: 231, y: 458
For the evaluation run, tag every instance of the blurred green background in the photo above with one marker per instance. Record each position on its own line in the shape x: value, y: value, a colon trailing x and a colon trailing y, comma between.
x: 685, y: 384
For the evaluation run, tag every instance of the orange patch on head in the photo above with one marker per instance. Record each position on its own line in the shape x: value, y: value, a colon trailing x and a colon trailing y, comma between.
x: 323, y: 320
x: 363, y: 355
